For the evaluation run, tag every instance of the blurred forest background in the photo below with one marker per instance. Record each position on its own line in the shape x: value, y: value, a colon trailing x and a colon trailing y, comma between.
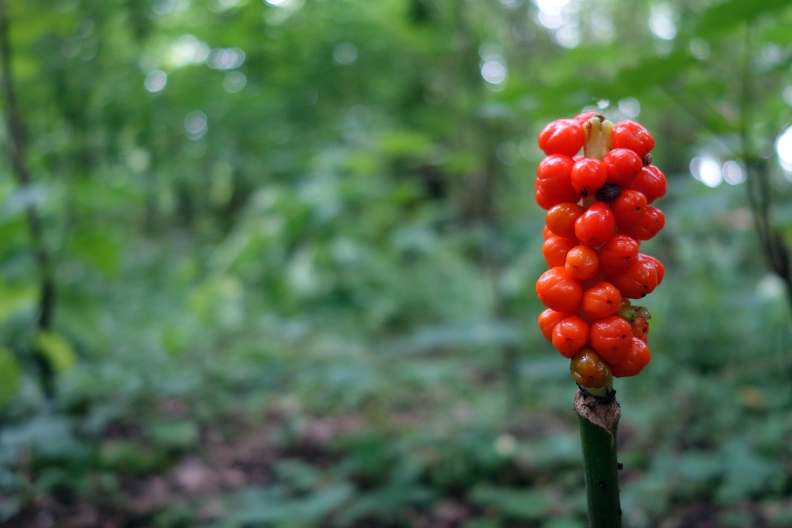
x: 272, y: 263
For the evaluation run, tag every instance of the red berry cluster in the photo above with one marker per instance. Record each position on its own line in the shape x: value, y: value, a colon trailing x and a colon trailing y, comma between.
x: 598, y: 213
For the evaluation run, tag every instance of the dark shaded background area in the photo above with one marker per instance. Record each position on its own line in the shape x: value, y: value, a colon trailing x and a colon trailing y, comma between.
x: 289, y: 250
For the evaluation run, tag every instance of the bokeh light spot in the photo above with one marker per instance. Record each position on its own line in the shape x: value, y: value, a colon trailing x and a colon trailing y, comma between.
x: 234, y: 82
x: 196, y: 124
x: 707, y: 170
x: 784, y: 149
x: 155, y: 81
x: 494, y: 72
x: 661, y: 21
x: 733, y: 173
x: 630, y: 107
x: 345, y: 53
x: 226, y: 58
x: 187, y: 49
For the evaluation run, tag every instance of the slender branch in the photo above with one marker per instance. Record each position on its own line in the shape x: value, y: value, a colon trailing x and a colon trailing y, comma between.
x: 760, y: 194
x: 35, y: 226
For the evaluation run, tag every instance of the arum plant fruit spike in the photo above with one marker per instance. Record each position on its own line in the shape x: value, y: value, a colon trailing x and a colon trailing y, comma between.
x: 598, y: 212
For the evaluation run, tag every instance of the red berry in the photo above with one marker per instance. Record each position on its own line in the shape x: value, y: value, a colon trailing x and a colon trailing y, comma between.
x: 558, y: 290
x: 660, y: 269
x: 553, y: 176
x: 652, y: 182
x: 640, y: 279
x: 589, y: 370
x: 636, y: 359
x: 596, y: 225
x: 555, y: 250
x: 547, y: 200
x: 570, y: 335
x: 648, y: 226
x: 588, y: 176
x: 547, y: 321
x: 618, y: 254
x: 611, y: 338
x: 601, y: 300
x: 582, y: 262
x: 628, y: 208
x: 561, y: 218
x: 563, y: 136
x: 622, y: 165
x: 632, y: 136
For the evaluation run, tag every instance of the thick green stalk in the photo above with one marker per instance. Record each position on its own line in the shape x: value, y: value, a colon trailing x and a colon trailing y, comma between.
x: 599, y: 419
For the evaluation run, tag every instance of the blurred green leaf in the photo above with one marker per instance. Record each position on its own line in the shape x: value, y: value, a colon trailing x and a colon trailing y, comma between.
x: 178, y: 434
x: 100, y: 250
x: 514, y: 503
x: 58, y: 350
x: 10, y: 375
x: 15, y: 298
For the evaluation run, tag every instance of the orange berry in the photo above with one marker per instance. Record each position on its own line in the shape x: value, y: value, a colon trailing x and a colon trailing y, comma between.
x: 601, y: 300
x: 636, y: 359
x: 547, y: 321
x: 561, y: 218
x: 611, y: 338
x: 555, y: 250
x: 582, y: 262
x: 558, y: 290
x: 570, y: 335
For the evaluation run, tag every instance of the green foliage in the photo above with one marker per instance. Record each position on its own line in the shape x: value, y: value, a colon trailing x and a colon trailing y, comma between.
x: 295, y: 245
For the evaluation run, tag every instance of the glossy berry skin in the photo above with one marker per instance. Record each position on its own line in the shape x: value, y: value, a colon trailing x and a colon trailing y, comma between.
x: 570, y: 335
x: 553, y: 176
x: 640, y: 279
x: 555, y: 250
x: 558, y: 290
x: 636, y: 359
x: 547, y: 321
x: 596, y: 225
x: 611, y: 338
x: 628, y: 208
x: 588, y: 176
x: 585, y: 116
x: 546, y: 200
x: 601, y: 300
x: 651, y: 182
x: 582, y: 262
x: 633, y: 136
x: 618, y: 254
x: 589, y: 370
x: 563, y: 136
x: 660, y: 269
x: 622, y: 166
x: 648, y: 226
x: 561, y: 218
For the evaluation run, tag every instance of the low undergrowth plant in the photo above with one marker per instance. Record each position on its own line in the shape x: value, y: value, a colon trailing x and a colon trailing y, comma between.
x: 598, y: 213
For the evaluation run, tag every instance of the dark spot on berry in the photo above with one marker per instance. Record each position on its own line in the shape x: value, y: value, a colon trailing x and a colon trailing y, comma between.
x: 608, y: 192
x: 647, y: 160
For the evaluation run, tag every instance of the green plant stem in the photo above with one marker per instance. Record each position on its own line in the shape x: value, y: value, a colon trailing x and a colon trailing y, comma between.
x: 599, y: 419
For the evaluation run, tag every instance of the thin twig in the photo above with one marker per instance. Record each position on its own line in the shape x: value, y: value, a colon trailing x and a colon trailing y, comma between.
x: 35, y: 226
